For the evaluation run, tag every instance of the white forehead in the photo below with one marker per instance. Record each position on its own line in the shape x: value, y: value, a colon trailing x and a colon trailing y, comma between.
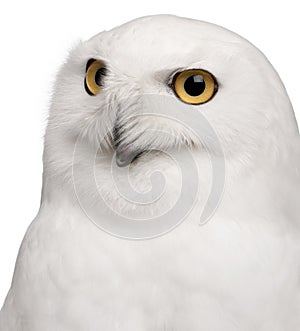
x: 163, y: 41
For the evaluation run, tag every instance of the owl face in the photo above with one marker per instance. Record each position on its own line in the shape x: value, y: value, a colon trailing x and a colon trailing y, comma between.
x: 123, y: 90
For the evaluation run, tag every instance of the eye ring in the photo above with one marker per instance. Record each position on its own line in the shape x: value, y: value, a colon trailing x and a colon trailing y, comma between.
x: 194, y: 86
x: 94, y: 70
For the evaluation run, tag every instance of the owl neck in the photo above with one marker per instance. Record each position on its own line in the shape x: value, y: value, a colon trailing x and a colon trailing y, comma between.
x: 155, y: 183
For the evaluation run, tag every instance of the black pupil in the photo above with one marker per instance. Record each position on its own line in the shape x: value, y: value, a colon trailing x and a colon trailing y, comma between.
x: 194, y: 85
x: 99, y: 76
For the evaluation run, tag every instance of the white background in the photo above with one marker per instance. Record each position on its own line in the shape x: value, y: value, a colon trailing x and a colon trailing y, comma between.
x: 35, y: 38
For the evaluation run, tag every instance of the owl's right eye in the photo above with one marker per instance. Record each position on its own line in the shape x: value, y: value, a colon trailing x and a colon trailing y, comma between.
x: 95, y: 71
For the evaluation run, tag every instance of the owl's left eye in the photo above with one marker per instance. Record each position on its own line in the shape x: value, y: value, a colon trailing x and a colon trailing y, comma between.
x: 195, y: 86
x: 95, y: 71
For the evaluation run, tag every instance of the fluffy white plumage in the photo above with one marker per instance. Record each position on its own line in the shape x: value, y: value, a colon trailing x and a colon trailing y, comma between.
x: 241, y: 270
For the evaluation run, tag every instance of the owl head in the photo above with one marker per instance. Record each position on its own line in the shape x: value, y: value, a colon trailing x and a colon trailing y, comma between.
x: 143, y: 88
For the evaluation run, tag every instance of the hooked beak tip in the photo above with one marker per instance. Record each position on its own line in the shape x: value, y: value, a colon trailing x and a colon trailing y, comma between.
x: 124, y: 156
x: 122, y: 163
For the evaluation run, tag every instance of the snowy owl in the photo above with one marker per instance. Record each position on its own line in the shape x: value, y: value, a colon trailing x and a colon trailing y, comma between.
x: 152, y: 124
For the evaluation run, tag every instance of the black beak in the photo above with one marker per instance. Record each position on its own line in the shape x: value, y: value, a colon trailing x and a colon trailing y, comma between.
x: 125, y: 153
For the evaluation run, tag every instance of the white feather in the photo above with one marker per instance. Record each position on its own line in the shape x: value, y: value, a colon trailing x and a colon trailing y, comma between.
x: 241, y: 270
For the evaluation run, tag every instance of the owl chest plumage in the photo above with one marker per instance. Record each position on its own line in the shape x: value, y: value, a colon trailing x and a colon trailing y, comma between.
x: 73, y: 276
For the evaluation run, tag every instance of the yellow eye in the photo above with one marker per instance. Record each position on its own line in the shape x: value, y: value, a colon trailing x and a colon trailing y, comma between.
x: 195, y: 86
x: 95, y: 71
